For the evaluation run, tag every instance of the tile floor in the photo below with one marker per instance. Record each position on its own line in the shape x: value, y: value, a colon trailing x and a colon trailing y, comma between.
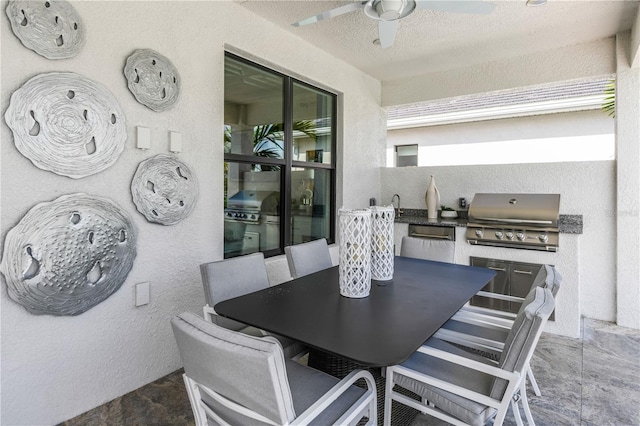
x: 593, y: 381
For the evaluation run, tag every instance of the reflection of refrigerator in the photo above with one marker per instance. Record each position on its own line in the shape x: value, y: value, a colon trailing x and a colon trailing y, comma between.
x: 499, y: 284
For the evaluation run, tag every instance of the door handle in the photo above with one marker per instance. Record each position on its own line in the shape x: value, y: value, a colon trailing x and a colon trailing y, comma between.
x: 497, y: 269
x: 517, y: 271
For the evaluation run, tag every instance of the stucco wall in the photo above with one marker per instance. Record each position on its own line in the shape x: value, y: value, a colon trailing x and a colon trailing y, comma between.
x: 54, y: 368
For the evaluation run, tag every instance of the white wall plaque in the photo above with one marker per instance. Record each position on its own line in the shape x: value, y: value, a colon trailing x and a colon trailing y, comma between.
x: 152, y: 79
x: 50, y: 28
x: 164, y: 189
x: 66, y: 256
x: 67, y: 124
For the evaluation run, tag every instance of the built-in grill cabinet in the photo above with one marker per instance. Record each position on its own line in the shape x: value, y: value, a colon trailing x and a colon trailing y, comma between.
x: 512, y: 279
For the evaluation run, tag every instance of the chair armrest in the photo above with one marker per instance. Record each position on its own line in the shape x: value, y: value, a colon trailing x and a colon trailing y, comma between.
x: 208, y: 312
x: 469, y: 363
x: 332, y: 394
x: 470, y: 341
x: 512, y: 378
x: 482, y: 319
x: 488, y: 311
x: 500, y: 296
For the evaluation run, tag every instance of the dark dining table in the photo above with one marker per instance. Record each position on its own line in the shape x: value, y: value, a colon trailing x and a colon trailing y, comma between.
x: 373, y: 332
x: 382, y: 329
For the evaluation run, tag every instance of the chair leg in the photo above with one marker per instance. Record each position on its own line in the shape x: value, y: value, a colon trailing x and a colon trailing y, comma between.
x: 533, y: 382
x: 387, y: 397
x: 516, y: 411
x: 525, y: 405
x: 194, y: 399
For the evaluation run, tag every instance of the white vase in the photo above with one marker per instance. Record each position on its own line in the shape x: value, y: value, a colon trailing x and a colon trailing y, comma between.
x: 354, y: 232
x: 382, y: 256
x: 432, y: 198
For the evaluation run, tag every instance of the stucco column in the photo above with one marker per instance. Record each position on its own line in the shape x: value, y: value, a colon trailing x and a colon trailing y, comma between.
x: 628, y: 183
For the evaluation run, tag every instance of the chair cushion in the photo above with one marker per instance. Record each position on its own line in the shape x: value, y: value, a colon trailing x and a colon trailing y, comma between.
x: 230, y: 278
x: 427, y: 249
x: 308, y: 385
x: 248, y: 370
x: 464, y: 409
x: 307, y: 258
x: 523, y: 336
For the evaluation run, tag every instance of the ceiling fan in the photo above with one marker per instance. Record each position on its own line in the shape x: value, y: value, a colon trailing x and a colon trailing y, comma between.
x: 389, y: 12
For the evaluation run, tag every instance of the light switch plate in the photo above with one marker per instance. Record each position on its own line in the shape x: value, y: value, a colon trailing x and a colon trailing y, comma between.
x: 143, y: 137
x: 175, y: 141
x: 142, y: 294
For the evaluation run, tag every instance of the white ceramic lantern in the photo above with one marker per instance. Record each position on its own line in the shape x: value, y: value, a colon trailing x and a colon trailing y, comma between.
x: 354, y: 231
x: 382, y: 255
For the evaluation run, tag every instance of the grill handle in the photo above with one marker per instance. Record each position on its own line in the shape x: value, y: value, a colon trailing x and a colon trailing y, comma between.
x: 495, y: 219
x: 418, y: 234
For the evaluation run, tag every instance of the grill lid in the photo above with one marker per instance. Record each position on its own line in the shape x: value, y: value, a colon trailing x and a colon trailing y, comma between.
x: 524, y: 210
x: 253, y: 200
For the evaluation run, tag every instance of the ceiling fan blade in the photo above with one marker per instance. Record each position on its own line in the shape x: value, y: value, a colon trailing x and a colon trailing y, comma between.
x: 330, y: 13
x: 387, y: 32
x: 457, y: 6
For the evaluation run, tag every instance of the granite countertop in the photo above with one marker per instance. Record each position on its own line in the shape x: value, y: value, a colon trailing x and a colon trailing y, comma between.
x: 568, y: 224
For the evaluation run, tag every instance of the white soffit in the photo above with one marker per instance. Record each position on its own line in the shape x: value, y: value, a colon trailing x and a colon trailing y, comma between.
x: 534, y: 100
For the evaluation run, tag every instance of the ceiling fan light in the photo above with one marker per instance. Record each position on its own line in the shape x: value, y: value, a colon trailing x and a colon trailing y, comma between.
x: 389, y: 10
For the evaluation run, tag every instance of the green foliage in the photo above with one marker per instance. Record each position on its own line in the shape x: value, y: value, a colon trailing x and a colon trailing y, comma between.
x: 609, y: 103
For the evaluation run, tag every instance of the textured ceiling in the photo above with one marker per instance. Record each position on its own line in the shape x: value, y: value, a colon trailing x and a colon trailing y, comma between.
x: 429, y: 41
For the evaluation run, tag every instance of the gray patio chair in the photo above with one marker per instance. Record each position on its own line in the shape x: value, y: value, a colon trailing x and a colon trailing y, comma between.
x: 463, y: 388
x: 229, y: 278
x: 428, y: 249
x: 486, y: 330
x: 307, y: 258
x: 237, y: 379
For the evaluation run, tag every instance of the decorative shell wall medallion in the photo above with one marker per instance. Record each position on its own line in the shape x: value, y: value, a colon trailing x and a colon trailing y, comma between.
x: 152, y: 79
x: 66, y: 256
x: 50, y: 28
x: 67, y: 124
x: 164, y: 189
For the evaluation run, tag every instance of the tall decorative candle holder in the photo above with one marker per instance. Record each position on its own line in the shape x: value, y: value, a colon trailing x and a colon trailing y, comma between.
x: 382, y: 256
x: 354, y: 231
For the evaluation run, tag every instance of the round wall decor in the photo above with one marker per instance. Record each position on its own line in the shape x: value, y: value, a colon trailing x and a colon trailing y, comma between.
x: 50, y: 28
x: 164, y: 190
x: 152, y: 79
x: 67, y: 124
x: 66, y: 256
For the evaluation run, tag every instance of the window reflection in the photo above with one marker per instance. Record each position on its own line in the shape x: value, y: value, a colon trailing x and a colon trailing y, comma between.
x: 310, y: 202
x: 252, y: 209
x: 312, y: 137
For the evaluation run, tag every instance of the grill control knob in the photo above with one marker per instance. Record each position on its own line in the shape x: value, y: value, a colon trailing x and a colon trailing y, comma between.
x: 479, y: 233
x: 499, y: 235
x: 520, y: 236
x: 543, y: 237
x: 244, y: 216
x: 253, y: 216
x: 509, y: 235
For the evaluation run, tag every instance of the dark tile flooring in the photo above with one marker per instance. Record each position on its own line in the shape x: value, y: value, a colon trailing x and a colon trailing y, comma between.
x: 592, y: 381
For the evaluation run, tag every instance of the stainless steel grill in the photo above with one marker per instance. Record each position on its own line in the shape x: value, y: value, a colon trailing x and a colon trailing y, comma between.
x: 250, y: 206
x: 525, y: 221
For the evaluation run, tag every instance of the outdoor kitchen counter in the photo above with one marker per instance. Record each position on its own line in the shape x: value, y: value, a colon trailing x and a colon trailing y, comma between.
x: 568, y: 224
